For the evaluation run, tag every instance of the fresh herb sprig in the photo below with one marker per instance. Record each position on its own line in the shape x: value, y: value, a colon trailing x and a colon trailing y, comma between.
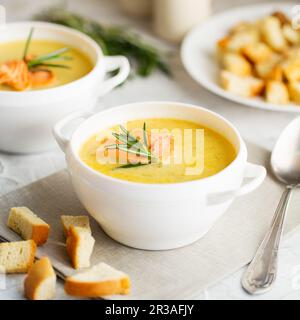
x: 112, y: 40
x: 27, y: 43
x: 133, y: 145
x: 42, y: 61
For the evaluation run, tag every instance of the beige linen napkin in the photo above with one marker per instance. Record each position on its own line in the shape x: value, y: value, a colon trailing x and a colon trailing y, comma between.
x: 174, y: 274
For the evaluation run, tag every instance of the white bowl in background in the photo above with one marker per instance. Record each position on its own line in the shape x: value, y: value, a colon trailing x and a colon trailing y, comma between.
x: 27, y: 117
x: 156, y: 216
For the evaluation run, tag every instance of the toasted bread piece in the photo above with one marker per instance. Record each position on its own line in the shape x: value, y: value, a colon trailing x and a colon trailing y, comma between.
x: 276, y: 74
x: 291, y: 69
x: 99, y: 281
x: 17, y: 257
x: 277, y: 92
x: 76, y: 221
x: 222, y: 48
x: 272, y: 33
x: 237, y: 64
x: 290, y: 34
x: 266, y: 68
x: 80, y: 244
x: 294, y: 91
x: 238, y: 40
x: 242, y: 86
x: 292, y: 53
x: 281, y: 17
x: 40, y: 282
x: 258, y: 52
x: 28, y: 225
x: 241, y: 27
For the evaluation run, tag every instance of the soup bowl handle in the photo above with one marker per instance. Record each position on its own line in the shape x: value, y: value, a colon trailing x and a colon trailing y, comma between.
x: 113, y: 63
x: 255, y: 175
x: 64, y: 123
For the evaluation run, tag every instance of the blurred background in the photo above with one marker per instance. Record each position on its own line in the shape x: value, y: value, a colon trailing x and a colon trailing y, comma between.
x: 140, y: 14
x: 160, y: 24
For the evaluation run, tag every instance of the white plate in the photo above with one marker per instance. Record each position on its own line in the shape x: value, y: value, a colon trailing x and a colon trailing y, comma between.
x: 198, y: 51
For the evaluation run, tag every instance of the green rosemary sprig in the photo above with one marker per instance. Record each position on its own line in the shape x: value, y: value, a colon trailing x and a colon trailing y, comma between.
x: 55, y: 55
x: 130, y: 144
x: 50, y: 65
x: 146, y: 139
x: 27, y: 44
x: 112, y: 40
x: 132, y: 165
x: 42, y: 61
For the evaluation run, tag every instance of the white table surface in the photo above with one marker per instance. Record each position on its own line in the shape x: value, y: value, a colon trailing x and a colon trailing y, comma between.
x: 260, y: 127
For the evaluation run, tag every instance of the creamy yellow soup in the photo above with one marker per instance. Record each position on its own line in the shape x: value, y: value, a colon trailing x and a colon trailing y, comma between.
x: 217, y: 152
x: 78, y: 66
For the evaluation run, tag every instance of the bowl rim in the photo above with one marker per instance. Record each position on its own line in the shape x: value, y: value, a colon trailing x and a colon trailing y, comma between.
x: 241, y: 153
x: 71, y: 85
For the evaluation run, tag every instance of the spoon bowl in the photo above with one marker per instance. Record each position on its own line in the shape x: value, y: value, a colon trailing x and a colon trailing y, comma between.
x: 285, y: 159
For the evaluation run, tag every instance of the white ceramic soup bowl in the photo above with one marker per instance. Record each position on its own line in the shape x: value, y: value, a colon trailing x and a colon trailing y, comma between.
x: 156, y: 216
x: 27, y: 117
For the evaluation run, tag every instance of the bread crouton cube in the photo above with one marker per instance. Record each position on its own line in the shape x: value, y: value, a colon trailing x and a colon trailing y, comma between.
x: 17, y: 257
x: 294, y: 91
x: 40, y: 282
x: 291, y: 69
x: 237, y: 64
x: 272, y: 33
x: 241, y: 27
x: 238, y: 40
x: 266, y: 68
x: 28, y: 225
x: 290, y: 34
x: 277, y: 92
x: 80, y: 244
x: 99, y: 281
x: 292, y: 53
x: 276, y: 74
x: 281, y: 17
x: 243, y: 86
x: 258, y: 52
x: 76, y: 221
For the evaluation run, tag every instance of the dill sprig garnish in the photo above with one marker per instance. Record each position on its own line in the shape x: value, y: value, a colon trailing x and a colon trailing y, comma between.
x: 133, y: 145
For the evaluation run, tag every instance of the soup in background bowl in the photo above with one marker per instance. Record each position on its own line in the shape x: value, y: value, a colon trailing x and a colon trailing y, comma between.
x: 27, y: 116
x: 71, y: 66
x: 156, y: 215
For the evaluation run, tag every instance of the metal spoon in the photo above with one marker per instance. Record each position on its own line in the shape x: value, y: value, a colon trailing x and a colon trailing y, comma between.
x: 285, y: 164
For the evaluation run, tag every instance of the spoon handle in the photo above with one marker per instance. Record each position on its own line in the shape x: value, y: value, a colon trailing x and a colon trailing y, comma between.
x: 262, y: 271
